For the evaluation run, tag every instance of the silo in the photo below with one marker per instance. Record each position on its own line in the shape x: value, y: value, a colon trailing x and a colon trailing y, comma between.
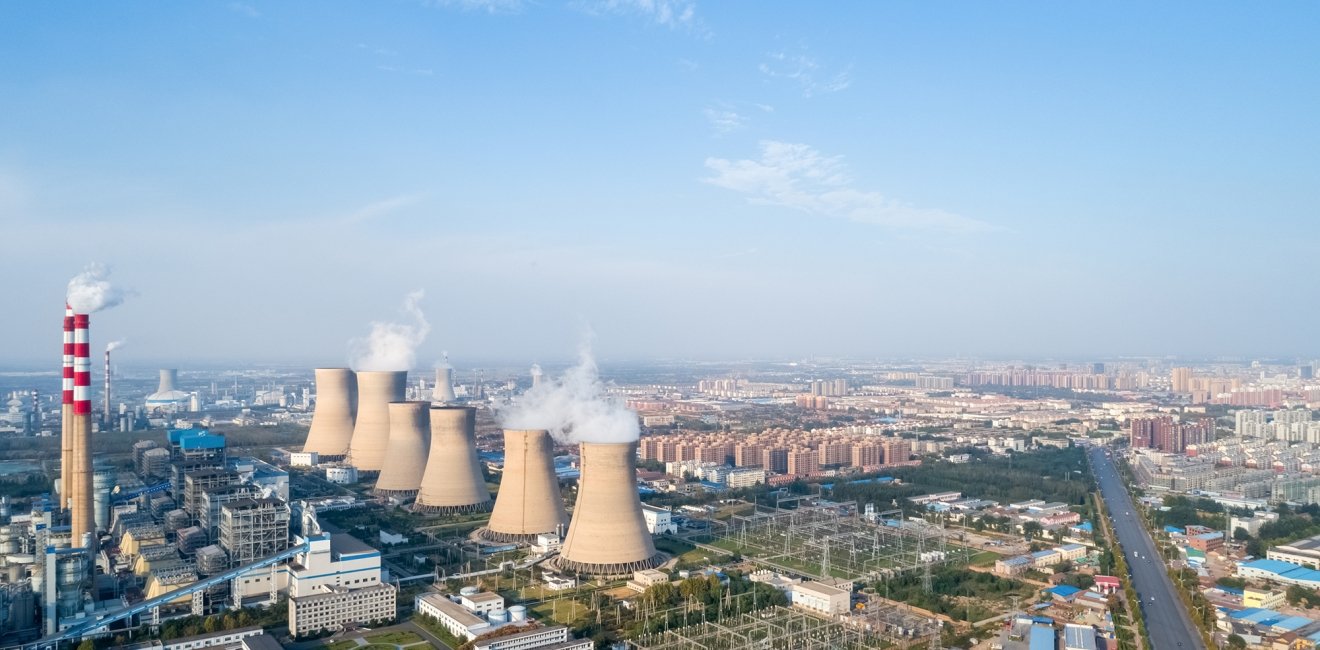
x: 608, y: 535
x: 103, y: 482
x: 336, y: 410
x: 529, y: 502
x: 410, y: 445
x: 371, y: 431
x: 452, y: 481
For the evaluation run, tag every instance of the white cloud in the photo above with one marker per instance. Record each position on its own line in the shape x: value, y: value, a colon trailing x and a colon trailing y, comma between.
x: 488, y: 6
x: 724, y: 120
x: 674, y: 14
x: 383, y: 207
x: 797, y: 176
x: 245, y: 9
x: 806, y: 71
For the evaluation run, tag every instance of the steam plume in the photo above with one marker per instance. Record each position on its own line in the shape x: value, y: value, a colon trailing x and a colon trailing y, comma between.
x: 574, y: 408
x: 392, y: 346
x: 90, y: 292
x: 115, y: 345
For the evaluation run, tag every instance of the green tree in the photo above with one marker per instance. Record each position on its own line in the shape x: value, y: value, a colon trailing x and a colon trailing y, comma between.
x: 86, y: 645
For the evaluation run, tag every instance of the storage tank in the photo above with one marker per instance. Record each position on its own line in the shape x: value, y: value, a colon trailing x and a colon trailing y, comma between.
x: 453, y: 481
x: 371, y: 430
x: 529, y: 502
x: 517, y: 614
x: 410, y: 445
x: 335, y: 413
x: 608, y: 534
x: 103, y: 483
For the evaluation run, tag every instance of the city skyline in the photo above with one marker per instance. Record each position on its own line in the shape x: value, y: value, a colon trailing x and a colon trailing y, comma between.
x: 730, y: 181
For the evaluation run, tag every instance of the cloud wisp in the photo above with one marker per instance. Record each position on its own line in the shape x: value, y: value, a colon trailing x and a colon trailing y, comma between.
x: 800, y: 177
x: 674, y: 14
x: 724, y: 120
x: 488, y: 6
x: 806, y: 72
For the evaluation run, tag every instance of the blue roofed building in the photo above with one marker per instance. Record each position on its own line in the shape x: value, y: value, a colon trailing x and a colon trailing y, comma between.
x: 1065, y: 593
x: 1041, y: 638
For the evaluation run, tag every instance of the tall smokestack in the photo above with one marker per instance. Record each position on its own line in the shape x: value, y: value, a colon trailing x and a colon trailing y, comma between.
x: 105, y: 411
x: 529, y: 502
x: 331, y: 432
x: 452, y: 481
x: 608, y: 535
x: 444, y: 385
x: 83, y: 522
x: 410, y: 445
x: 371, y: 430
x: 66, y: 415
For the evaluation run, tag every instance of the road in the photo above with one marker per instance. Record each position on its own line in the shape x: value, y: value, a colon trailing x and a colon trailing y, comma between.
x: 1168, y: 624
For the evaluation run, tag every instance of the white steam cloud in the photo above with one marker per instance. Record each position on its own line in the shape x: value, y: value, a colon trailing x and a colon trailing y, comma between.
x: 392, y: 346
x: 115, y: 345
x: 574, y: 408
x: 90, y: 292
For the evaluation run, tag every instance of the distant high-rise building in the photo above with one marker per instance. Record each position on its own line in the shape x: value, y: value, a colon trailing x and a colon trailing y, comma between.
x: 1164, y: 434
x: 1180, y: 380
x: 1098, y: 368
x: 1306, y: 372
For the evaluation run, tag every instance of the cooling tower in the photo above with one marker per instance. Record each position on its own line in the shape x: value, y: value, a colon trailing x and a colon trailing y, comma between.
x: 169, y: 379
x: 608, y: 535
x: 336, y: 409
x: 453, y: 481
x: 444, y: 385
x: 529, y: 502
x: 410, y: 445
x: 371, y: 431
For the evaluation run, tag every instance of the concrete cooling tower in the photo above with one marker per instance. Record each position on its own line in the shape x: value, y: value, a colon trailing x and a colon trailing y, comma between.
x: 453, y: 481
x: 410, y: 445
x: 336, y: 410
x: 444, y: 385
x: 529, y: 502
x: 371, y: 430
x: 608, y: 535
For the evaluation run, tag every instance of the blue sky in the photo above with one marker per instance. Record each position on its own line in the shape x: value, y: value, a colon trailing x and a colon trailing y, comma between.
x: 693, y: 179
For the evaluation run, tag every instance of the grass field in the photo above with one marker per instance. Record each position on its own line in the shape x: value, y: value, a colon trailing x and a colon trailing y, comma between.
x: 395, y: 638
x: 984, y: 558
x: 341, y: 645
x: 567, y: 611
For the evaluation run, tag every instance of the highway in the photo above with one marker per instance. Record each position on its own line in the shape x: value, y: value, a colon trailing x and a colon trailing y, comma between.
x: 1168, y: 623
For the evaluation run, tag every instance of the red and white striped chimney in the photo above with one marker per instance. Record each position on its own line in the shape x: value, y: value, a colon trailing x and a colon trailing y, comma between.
x: 105, y: 416
x: 66, y: 414
x: 83, y: 523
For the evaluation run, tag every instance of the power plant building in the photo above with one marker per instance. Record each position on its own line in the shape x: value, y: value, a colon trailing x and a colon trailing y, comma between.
x: 168, y: 398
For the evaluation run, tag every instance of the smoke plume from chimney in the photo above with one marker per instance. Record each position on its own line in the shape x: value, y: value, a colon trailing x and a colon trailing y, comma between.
x: 392, y: 346
x: 115, y: 345
x: 90, y: 291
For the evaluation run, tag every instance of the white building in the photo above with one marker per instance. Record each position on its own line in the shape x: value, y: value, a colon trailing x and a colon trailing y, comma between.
x: 658, y: 520
x: 742, y: 477
x: 454, y: 617
x: 329, y: 608
x: 544, y: 638
x: 305, y: 459
x: 819, y: 597
x: 482, y: 602
x: 341, y: 474
x: 336, y: 581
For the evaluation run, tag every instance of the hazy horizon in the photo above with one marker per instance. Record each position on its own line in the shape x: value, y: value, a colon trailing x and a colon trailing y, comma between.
x: 693, y: 180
